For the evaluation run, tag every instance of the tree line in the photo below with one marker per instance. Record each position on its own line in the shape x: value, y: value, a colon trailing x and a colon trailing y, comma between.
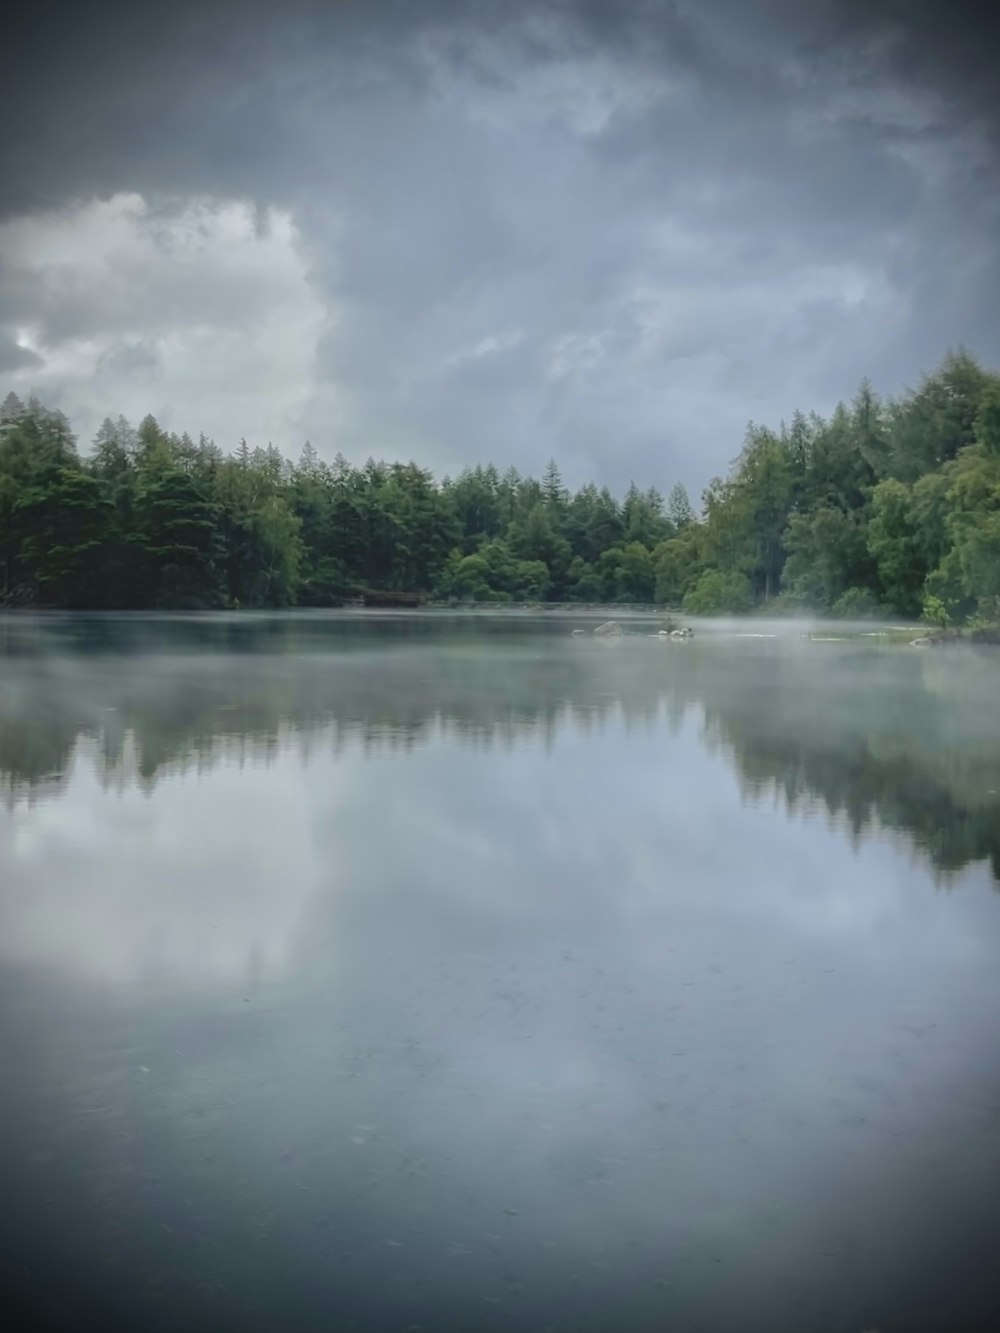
x: 887, y: 506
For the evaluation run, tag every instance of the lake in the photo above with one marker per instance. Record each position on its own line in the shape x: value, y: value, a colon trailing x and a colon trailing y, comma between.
x: 456, y: 972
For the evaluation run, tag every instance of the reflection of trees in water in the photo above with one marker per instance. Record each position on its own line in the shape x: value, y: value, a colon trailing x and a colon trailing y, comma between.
x: 907, y: 741
x: 896, y: 738
x: 188, y: 722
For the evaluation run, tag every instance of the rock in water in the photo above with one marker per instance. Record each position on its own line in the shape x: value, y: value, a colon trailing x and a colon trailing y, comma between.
x: 609, y: 628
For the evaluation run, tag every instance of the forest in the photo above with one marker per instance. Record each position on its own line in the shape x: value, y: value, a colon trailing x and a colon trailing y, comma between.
x: 889, y: 507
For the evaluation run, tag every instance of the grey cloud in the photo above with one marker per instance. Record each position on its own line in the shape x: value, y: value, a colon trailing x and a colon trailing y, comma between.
x: 133, y: 358
x: 15, y: 357
x: 809, y: 193
x: 949, y: 51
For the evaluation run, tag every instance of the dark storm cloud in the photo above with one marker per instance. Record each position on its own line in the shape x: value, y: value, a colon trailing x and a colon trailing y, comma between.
x: 949, y: 50
x: 606, y: 232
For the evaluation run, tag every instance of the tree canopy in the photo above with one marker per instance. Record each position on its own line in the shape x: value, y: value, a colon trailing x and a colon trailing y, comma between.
x: 885, y: 504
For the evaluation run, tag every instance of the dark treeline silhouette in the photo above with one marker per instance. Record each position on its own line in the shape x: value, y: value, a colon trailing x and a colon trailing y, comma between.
x: 887, y: 506
x: 880, y: 739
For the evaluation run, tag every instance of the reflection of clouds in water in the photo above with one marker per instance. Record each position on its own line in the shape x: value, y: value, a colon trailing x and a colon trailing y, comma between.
x: 880, y: 738
x: 592, y: 985
x: 206, y: 881
x: 641, y: 826
x: 512, y: 881
x: 574, y: 992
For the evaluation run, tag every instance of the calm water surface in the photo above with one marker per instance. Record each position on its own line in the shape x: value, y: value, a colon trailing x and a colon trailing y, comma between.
x: 383, y: 973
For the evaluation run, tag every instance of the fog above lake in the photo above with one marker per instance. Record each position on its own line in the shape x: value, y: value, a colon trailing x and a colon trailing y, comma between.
x: 133, y: 747
x: 550, y: 980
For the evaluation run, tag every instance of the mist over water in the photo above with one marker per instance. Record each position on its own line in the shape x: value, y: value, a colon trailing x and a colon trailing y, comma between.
x: 371, y: 972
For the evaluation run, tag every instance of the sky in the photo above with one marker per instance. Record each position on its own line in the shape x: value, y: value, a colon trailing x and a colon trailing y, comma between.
x: 457, y: 231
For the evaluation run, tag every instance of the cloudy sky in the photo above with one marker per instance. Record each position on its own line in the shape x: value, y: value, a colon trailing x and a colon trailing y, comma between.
x: 460, y: 231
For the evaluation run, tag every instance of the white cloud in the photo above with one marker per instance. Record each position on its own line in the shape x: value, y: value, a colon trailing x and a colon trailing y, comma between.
x: 200, y: 311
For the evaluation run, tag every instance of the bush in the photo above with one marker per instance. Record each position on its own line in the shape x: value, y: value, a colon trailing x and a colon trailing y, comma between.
x: 935, y: 612
x: 789, y: 603
x: 718, y: 590
x: 857, y: 604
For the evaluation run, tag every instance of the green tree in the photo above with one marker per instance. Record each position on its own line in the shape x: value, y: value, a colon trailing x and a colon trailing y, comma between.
x: 62, y: 521
x: 719, y: 591
x: 679, y: 510
x: 895, y: 542
x: 533, y: 538
x: 678, y: 563
x: 553, y: 491
x: 747, y: 514
x: 972, y: 567
x: 643, y: 519
x: 627, y: 574
x: 593, y: 522
x: 828, y: 554
x: 476, y: 502
x: 929, y: 427
x: 36, y: 448
x: 177, y: 539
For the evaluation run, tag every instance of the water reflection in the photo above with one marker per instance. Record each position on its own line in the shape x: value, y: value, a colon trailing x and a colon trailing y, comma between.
x: 882, y: 736
x: 464, y: 974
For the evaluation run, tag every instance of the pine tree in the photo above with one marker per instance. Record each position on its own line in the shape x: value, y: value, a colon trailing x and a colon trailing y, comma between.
x: 679, y: 509
x: 552, y: 486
